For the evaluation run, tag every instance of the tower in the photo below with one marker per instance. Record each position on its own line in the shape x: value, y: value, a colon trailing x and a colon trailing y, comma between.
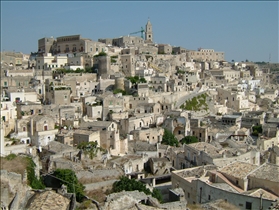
x: 148, y: 32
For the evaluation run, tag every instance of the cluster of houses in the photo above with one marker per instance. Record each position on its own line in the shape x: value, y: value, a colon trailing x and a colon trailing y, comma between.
x: 123, y: 94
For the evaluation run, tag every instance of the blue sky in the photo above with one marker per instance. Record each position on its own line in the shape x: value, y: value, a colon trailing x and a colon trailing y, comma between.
x: 243, y: 30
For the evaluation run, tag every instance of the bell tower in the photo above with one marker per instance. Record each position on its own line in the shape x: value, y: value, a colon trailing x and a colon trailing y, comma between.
x: 148, y: 32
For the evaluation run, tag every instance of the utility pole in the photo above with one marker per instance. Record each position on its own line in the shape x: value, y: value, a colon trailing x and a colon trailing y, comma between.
x: 261, y: 201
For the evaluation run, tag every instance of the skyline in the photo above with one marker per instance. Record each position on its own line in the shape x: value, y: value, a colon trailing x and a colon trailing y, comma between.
x: 242, y: 30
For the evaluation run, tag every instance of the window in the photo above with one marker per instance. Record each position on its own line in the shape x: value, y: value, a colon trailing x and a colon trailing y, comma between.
x: 248, y: 205
x: 45, y: 127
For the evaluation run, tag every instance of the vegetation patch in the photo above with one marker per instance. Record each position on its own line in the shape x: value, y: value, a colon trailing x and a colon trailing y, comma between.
x: 20, y: 164
x: 257, y: 129
x: 131, y: 184
x: 136, y: 79
x: 100, y: 54
x: 189, y: 140
x: 116, y: 91
x: 169, y: 138
x: 90, y: 148
x: 196, y: 103
x: 69, y: 178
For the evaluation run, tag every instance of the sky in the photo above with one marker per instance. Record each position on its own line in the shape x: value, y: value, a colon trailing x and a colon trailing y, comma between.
x: 242, y: 30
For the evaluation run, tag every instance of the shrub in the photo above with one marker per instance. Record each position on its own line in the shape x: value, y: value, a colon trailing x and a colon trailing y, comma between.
x: 69, y: 178
x: 169, y: 138
x: 189, y: 140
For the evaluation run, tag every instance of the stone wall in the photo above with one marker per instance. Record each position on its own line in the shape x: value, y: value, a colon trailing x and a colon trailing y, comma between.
x: 14, y: 190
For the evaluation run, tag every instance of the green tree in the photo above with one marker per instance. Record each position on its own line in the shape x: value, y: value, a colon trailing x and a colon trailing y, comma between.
x: 169, y: 138
x: 131, y: 184
x: 189, y: 140
x: 142, y: 80
x: 136, y: 79
x: 157, y: 194
x: 69, y: 178
x: 257, y: 129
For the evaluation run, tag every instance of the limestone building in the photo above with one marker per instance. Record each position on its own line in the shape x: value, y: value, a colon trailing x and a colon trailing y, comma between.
x: 205, y: 55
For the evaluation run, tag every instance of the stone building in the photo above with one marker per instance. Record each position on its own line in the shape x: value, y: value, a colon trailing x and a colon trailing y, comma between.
x: 15, y: 81
x: 179, y: 126
x: 135, y: 123
x: 12, y: 58
x: 232, y: 99
x: 159, y: 83
x: 164, y: 49
x: 201, y: 132
x: 205, y: 55
x: 21, y: 94
x: 237, y: 173
x: 274, y: 155
x: 45, y: 45
x: 159, y: 166
x: 77, y: 44
x: 8, y: 116
x: 250, y: 119
x: 42, y: 130
x: 57, y: 92
x: 28, y: 108
x: 86, y: 136
x: 128, y: 64
x: 113, y: 104
x: 130, y: 163
x: 265, y: 177
x: 204, y: 184
x: 103, y: 64
x: 109, y: 136
x: 143, y: 108
x: 197, y: 154
x: 178, y: 50
x: 232, y: 120
x: 50, y: 61
x: 125, y: 41
x: 151, y: 135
